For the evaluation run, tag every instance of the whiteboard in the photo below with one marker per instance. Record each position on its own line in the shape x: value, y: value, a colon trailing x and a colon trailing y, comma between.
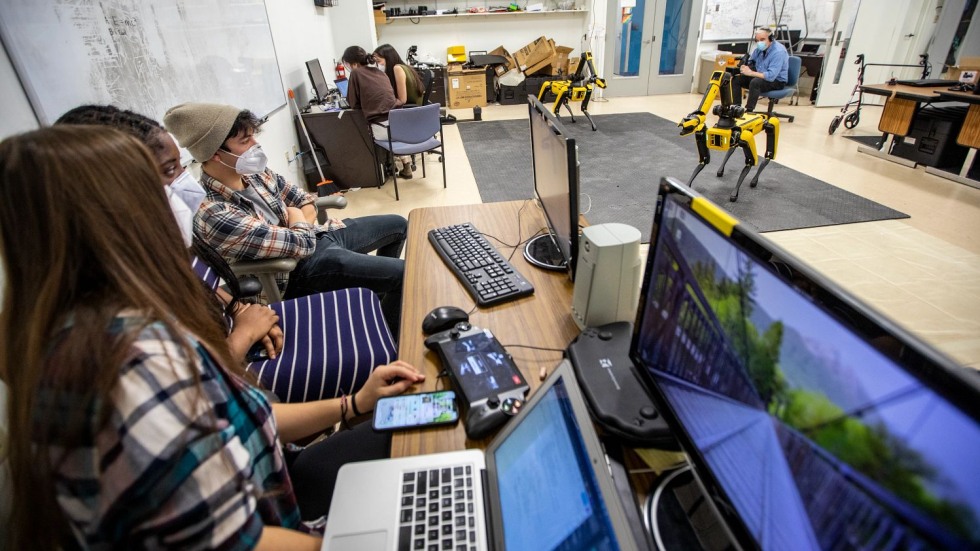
x: 732, y: 19
x: 142, y: 55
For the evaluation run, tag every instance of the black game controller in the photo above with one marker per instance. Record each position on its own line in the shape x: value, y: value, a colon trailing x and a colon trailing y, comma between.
x: 489, y: 384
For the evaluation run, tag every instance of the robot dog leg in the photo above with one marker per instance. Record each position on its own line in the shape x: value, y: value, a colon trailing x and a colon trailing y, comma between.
x: 704, y: 156
x: 772, y: 139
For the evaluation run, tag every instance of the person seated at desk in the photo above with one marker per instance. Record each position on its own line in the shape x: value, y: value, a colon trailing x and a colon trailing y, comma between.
x: 770, y: 61
x: 309, y: 349
x: 405, y: 80
x: 130, y: 424
x: 369, y: 90
x: 252, y: 213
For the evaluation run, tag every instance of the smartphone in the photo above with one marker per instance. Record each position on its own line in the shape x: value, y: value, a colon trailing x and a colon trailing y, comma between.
x: 257, y: 353
x: 410, y: 411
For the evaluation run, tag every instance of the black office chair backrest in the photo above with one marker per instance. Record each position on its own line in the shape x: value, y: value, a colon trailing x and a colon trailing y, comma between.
x: 427, y: 82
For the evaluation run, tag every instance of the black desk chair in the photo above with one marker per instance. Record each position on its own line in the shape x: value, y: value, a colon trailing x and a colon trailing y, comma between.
x: 428, y: 82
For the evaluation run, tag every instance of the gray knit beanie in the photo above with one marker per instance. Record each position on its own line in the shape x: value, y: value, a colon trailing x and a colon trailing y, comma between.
x: 201, y: 127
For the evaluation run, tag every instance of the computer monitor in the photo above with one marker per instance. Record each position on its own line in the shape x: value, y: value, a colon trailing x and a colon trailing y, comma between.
x: 554, y: 158
x: 810, y: 420
x: 320, y: 87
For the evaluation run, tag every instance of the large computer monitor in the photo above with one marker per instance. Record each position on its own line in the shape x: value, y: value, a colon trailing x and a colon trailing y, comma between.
x: 320, y: 87
x: 555, y: 165
x: 811, y: 421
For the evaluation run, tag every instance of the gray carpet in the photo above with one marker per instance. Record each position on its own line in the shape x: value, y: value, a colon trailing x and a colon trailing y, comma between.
x: 622, y: 162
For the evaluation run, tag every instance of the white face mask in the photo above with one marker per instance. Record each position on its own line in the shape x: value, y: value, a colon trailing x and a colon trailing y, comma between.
x: 183, y: 214
x: 381, y: 66
x: 253, y: 161
x: 189, y: 190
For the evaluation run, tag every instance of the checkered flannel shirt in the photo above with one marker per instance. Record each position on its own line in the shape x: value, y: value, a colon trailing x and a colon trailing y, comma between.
x: 174, y: 467
x: 229, y: 222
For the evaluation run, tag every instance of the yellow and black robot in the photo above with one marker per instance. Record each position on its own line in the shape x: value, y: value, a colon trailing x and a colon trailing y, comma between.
x: 577, y: 87
x: 735, y: 129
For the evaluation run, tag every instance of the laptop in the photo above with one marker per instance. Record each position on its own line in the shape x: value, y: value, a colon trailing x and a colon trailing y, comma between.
x: 543, y: 483
x: 925, y: 82
x: 342, y: 86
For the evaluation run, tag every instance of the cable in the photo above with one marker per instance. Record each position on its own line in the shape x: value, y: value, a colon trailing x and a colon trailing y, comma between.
x: 535, y: 348
x: 589, y: 197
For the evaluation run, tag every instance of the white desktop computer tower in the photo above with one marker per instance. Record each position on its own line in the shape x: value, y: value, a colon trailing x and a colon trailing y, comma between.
x: 607, y: 278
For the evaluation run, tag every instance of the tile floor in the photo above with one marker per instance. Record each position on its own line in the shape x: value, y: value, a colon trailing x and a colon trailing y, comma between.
x: 923, y: 272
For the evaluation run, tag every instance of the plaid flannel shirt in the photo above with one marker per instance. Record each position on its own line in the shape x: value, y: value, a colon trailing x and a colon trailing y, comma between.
x: 229, y: 222
x: 175, y: 467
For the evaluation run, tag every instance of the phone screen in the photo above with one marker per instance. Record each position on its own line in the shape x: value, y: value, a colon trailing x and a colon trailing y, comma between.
x: 416, y: 410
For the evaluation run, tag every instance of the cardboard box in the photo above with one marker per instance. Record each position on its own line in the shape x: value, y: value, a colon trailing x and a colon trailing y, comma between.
x: 466, y: 87
x: 967, y: 64
x: 511, y: 63
x: 559, y: 62
x: 714, y: 61
x: 532, y: 55
x: 573, y: 65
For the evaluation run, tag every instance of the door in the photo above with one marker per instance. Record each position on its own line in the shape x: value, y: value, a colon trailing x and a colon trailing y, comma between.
x: 652, y: 49
x: 879, y: 29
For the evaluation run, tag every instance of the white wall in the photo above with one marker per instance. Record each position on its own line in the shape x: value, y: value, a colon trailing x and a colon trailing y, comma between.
x: 16, y: 114
x: 352, y: 23
x: 434, y: 35
x: 301, y: 31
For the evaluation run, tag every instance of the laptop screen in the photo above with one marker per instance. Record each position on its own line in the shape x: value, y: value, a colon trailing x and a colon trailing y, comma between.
x: 812, y: 421
x: 549, y: 495
x: 342, y: 86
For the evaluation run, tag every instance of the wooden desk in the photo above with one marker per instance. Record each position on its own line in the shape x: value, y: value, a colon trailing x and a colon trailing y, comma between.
x: 900, y: 108
x: 544, y: 319
x: 969, y: 137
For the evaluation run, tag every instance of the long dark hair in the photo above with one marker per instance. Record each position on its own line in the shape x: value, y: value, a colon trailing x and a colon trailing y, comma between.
x: 80, y: 243
x: 391, y: 57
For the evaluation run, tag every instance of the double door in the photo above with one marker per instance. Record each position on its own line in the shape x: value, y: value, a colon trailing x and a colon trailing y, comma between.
x: 651, y: 46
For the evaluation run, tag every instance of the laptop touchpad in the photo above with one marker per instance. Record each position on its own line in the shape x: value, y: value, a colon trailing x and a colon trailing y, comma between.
x: 358, y: 542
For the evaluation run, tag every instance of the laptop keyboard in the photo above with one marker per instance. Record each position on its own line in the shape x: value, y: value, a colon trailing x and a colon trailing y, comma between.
x: 437, y: 510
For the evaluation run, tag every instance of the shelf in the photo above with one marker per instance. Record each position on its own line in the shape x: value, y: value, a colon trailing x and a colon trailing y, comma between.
x: 484, y: 14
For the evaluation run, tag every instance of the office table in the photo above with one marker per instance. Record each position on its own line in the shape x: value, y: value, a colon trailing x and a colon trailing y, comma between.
x: 969, y: 136
x: 543, y: 319
x: 896, y: 118
x: 344, y: 147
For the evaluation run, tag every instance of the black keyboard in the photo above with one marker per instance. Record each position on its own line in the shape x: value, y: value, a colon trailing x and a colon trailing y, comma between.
x: 487, y: 276
x: 437, y: 510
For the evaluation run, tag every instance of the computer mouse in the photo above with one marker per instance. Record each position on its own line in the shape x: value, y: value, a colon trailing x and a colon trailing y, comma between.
x: 442, y: 318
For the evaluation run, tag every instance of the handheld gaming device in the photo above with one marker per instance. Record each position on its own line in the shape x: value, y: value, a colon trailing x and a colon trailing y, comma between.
x: 490, y: 387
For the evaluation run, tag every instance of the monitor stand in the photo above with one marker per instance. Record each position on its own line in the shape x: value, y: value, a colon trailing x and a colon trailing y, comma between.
x: 678, y: 516
x: 542, y: 252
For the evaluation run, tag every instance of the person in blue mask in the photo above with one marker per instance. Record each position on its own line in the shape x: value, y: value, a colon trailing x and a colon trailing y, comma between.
x: 767, y: 70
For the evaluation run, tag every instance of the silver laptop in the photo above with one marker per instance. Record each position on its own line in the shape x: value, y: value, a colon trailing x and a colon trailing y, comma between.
x: 543, y: 483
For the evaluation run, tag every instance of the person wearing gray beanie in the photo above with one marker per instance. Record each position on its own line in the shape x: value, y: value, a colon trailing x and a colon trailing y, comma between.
x: 252, y: 213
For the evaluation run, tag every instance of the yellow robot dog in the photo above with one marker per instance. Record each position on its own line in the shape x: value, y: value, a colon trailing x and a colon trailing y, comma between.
x: 577, y: 87
x: 734, y: 129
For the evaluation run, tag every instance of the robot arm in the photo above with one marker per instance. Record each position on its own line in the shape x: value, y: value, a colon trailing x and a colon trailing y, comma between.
x: 695, y: 120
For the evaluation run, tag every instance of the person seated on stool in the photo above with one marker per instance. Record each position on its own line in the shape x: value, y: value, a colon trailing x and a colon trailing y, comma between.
x: 370, y: 91
x: 252, y: 213
x: 405, y: 81
x: 771, y: 62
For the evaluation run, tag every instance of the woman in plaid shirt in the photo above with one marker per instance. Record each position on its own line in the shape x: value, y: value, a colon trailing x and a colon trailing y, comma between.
x: 129, y: 426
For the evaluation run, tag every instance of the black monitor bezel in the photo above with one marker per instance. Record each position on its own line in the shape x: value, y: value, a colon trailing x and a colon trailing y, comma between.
x: 321, y: 95
x: 574, y: 186
x: 936, y: 371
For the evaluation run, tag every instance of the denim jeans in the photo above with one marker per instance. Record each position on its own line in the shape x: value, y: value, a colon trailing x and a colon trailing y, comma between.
x: 340, y: 261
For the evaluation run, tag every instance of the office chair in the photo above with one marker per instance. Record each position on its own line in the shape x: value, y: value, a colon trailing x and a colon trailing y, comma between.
x: 412, y: 131
x: 266, y: 269
x: 793, y: 80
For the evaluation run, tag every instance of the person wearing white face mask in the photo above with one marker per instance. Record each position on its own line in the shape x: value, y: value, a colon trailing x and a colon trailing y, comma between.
x: 768, y: 69
x: 252, y: 213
